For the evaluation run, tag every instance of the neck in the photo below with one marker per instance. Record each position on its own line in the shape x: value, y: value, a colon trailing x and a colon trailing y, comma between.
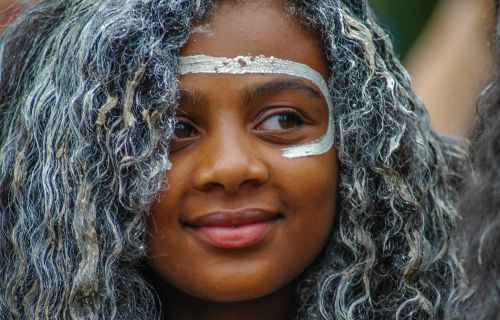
x: 180, y: 306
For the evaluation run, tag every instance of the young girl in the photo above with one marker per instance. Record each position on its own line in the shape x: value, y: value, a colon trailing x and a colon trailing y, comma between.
x: 217, y: 160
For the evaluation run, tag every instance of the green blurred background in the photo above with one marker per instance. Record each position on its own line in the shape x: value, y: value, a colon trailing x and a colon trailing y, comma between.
x: 403, y: 19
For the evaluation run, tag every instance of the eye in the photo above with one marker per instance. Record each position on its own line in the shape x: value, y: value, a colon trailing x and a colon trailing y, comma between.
x: 184, y: 130
x: 184, y: 134
x: 284, y: 120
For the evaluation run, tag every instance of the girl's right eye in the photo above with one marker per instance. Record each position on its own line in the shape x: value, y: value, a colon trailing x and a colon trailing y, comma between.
x: 183, y: 135
x: 184, y: 130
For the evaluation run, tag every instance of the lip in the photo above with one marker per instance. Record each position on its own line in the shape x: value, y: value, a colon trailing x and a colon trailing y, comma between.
x: 234, y: 229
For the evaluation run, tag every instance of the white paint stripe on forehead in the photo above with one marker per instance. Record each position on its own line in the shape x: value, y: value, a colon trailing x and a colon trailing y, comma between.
x: 269, y: 65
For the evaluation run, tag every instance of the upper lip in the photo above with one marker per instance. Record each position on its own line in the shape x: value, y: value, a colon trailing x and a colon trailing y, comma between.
x: 232, y: 218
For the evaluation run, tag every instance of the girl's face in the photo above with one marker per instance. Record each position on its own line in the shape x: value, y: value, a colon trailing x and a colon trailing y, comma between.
x: 240, y: 221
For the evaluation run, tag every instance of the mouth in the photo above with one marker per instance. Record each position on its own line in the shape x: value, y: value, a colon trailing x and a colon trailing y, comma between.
x: 234, y: 229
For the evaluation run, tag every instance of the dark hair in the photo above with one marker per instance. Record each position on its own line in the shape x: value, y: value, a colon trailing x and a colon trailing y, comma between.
x: 88, y: 91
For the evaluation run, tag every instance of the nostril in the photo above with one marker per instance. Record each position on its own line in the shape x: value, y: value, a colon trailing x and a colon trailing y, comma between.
x: 229, y: 186
x: 213, y: 185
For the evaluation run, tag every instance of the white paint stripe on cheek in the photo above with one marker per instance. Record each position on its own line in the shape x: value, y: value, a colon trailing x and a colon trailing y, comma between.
x: 269, y: 65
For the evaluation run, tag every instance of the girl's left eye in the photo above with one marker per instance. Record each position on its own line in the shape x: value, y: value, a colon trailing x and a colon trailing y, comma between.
x: 281, y: 121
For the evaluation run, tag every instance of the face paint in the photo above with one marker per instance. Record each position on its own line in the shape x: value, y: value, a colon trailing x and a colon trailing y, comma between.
x: 269, y: 65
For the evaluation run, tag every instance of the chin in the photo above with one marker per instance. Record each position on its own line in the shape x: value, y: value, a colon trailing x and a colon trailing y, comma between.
x: 226, y: 290
x: 233, y: 296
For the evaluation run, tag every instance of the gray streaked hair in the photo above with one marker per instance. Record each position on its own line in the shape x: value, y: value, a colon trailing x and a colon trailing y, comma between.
x: 88, y: 91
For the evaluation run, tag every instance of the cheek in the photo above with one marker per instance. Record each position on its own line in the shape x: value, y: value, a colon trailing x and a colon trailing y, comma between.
x: 164, y: 223
x: 311, y: 182
x: 166, y: 209
x: 311, y: 185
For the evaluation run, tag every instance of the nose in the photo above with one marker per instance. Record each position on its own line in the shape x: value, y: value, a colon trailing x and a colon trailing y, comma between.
x: 229, y: 163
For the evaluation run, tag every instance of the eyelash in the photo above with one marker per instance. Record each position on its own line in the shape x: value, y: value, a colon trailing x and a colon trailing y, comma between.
x: 298, y: 119
x: 184, y: 122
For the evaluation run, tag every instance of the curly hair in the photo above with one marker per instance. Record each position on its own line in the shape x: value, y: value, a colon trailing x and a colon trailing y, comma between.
x: 88, y: 91
x: 478, y: 296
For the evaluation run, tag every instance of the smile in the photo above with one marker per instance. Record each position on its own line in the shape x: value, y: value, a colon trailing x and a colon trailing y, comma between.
x: 234, y: 229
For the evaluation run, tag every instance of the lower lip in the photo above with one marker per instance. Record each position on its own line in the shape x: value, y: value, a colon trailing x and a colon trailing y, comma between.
x: 235, y: 237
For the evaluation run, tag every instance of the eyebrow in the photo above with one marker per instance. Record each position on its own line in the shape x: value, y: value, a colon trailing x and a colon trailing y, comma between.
x: 193, y: 96
x: 278, y: 86
x: 268, y: 88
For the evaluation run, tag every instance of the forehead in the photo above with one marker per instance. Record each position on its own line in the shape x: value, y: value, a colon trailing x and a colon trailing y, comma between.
x: 253, y: 28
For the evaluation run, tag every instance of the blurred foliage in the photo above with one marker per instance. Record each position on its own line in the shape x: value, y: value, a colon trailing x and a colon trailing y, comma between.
x: 403, y: 19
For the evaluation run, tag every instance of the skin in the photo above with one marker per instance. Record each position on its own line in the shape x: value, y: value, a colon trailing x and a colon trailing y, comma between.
x: 458, y: 35
x: 228, y: 156
x: 8, y: 11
